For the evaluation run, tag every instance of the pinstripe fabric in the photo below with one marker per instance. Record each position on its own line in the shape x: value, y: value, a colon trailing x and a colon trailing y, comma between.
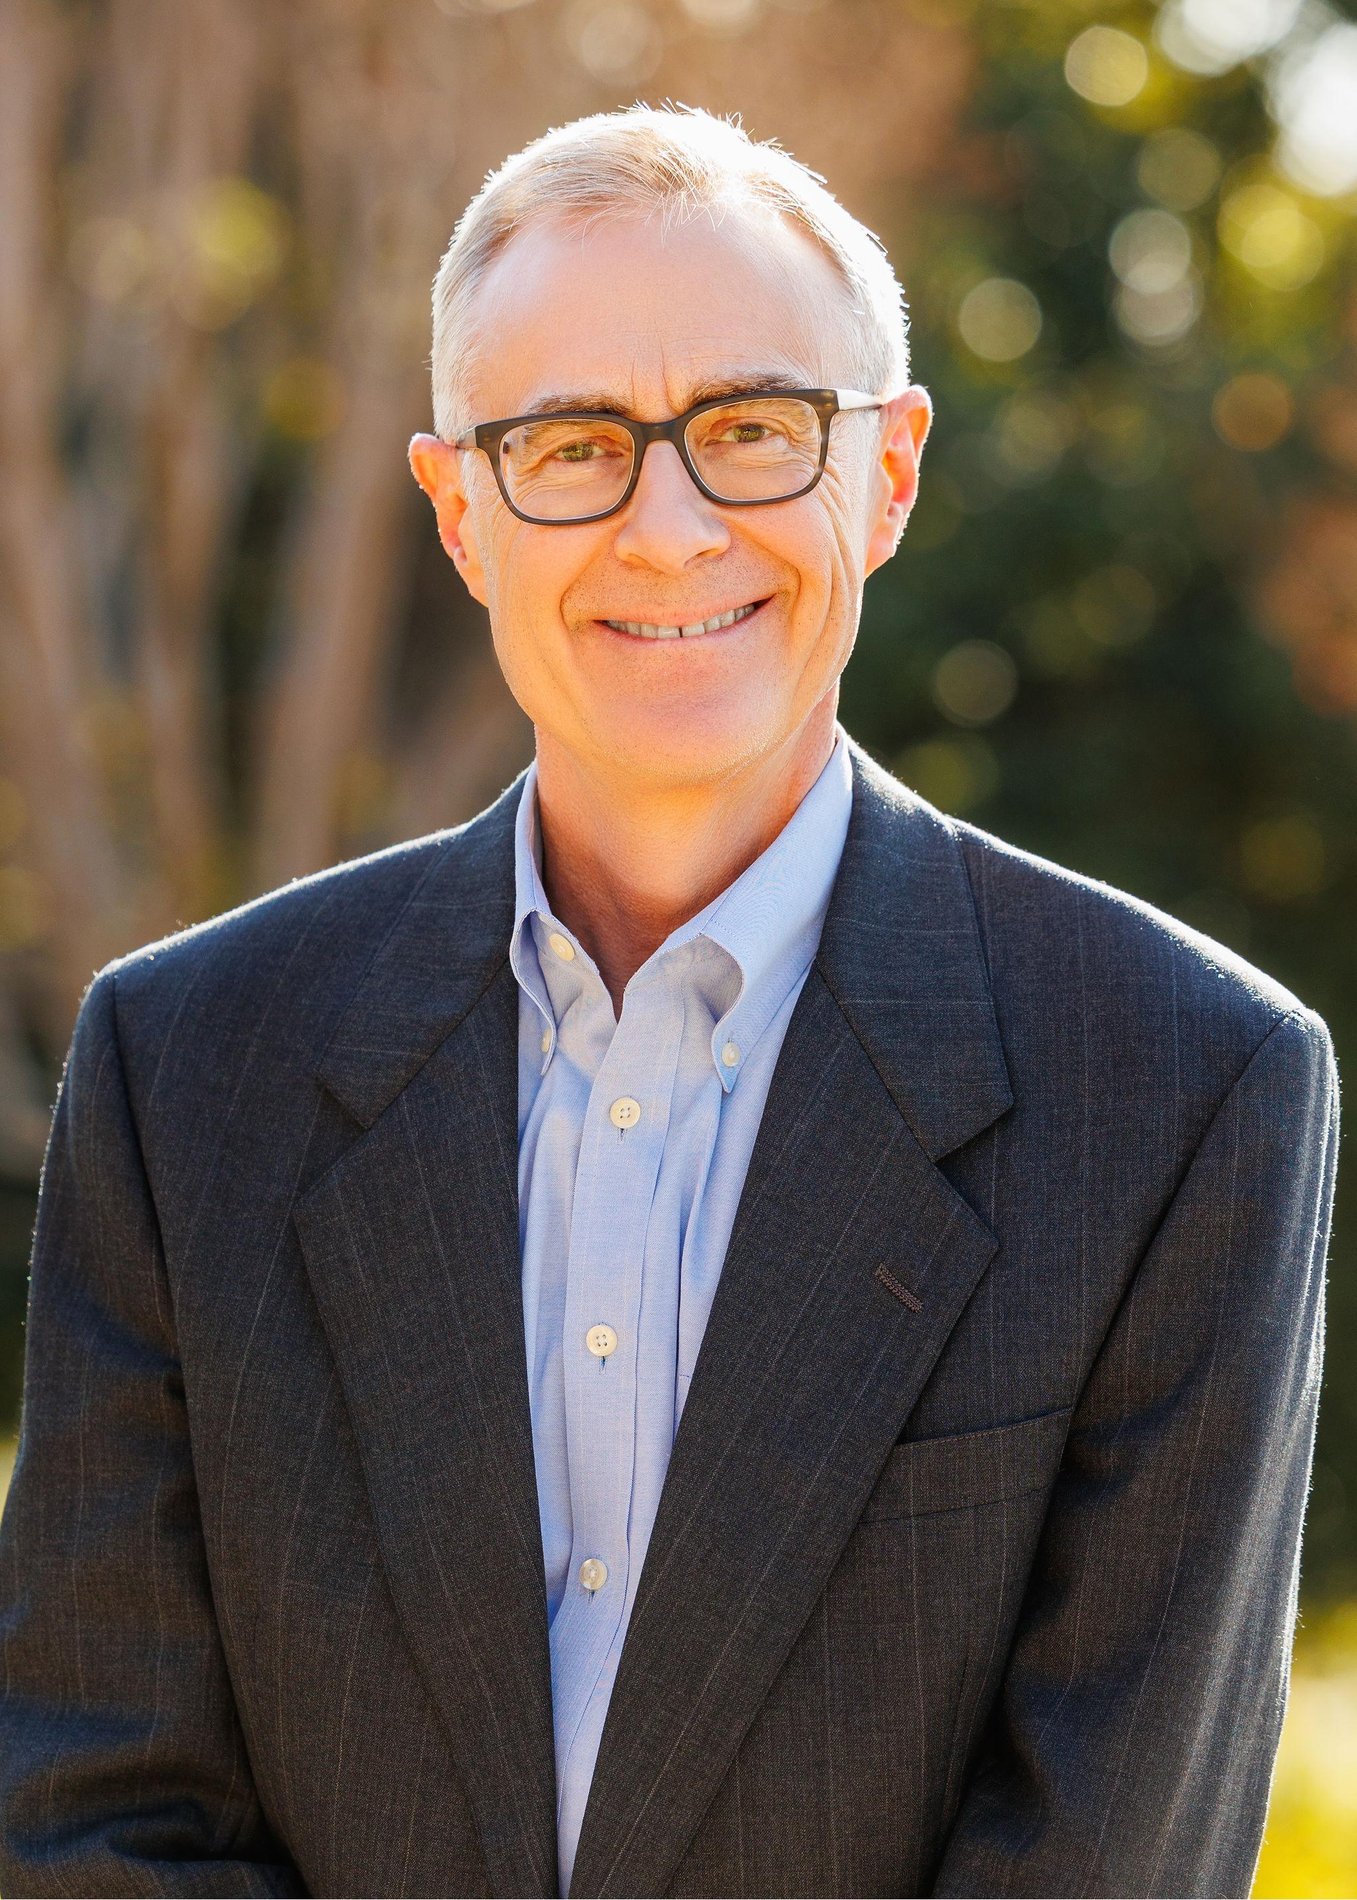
x: 990, y: 1592
x: 631, y: 1225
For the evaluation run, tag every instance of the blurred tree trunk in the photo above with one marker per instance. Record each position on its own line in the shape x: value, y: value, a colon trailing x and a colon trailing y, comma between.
x: 219, y: 223
x: 49, y: 662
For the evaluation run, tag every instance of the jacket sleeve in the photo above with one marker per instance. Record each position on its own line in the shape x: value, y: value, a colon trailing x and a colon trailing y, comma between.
x: 1131, y: 1749
x: 123, y: 1769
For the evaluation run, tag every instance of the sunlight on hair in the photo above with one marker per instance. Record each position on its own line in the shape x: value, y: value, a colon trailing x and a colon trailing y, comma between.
x: 676, y: 162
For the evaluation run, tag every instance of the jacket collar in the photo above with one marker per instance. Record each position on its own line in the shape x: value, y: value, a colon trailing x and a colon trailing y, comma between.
x: 900, y: 950
x: 767, y: 920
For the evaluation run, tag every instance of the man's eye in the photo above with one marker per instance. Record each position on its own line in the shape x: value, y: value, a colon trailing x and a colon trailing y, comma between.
x: 740, y: 432
x: 577, y: 451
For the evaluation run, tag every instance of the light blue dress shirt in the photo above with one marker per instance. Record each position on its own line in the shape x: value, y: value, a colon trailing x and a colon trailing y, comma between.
x: 634, y: 1136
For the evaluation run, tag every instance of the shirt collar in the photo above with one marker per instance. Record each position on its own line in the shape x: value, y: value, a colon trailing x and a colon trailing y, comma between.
x: 768, y: 920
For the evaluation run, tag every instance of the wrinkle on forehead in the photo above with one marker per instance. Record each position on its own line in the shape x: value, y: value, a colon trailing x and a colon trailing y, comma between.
x: 718, y: 382
x: 567, y: 315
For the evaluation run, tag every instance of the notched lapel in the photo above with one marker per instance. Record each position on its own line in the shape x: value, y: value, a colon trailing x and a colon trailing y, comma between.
x: 412, y: 1246
x: 807, y: 1371
x: 810, y: 1364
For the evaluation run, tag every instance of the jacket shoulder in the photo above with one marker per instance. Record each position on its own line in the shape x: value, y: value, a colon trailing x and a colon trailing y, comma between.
x: 345, y: 907
x: 1134, y: 952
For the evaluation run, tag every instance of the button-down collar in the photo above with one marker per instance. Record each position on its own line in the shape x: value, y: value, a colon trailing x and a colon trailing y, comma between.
x: 767, y: 921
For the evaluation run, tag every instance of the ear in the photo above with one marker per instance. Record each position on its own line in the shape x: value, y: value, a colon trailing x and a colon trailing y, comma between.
x: 436, y: 466
x: 906, y: 421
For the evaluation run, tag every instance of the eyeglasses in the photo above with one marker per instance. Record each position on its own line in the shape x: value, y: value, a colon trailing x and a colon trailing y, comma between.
x: 741, y: 451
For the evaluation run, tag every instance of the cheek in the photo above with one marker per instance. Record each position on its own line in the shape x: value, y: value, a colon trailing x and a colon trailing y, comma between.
x: 518, y: 570
x: 824, y: 548
x: 844, y: 509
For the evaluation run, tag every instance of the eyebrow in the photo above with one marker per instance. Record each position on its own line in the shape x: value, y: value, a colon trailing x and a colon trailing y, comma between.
x: 595, y: 402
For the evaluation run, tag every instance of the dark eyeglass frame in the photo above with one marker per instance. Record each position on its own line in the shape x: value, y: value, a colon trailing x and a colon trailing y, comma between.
x: 827, y: 403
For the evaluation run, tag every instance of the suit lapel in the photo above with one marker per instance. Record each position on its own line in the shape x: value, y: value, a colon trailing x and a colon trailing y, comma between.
x: 411, y: 1241
x: 809, y: 1365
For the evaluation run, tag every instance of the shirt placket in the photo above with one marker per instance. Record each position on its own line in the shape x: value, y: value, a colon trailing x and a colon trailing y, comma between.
x: 620, y: 1155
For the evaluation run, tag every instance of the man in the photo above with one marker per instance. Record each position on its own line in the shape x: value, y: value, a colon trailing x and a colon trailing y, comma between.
x: 712, y: 1330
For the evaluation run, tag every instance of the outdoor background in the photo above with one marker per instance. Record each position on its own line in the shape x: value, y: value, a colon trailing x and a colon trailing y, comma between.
x: 1121, y: 630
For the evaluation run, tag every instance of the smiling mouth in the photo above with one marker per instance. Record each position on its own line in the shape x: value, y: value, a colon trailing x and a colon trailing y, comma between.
x: 647, y: 630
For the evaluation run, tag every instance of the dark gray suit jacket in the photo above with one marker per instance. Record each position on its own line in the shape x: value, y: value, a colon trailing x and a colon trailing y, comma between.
x: 975, y: 1570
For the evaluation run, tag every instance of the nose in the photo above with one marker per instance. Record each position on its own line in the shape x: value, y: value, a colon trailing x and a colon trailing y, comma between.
x: 668, y: 522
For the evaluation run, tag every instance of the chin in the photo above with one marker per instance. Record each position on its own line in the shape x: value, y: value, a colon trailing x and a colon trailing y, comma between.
x: 668, y: 748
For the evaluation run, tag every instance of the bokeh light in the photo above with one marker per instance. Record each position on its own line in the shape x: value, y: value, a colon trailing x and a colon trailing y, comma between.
x: 1263, y: 226
x: 1179, y: 167
x: 1106, y: 66
x: 1114, y: 605
x: 1158, y: 317
x: 1208, y: 37
x: 304, y: 398
x: 1313, y: 94
x: 1151, y: 251
x: 723, y: 16
x: 954, y: 773
x: 975, y: 682
x: 618, y: 41
x: 1253, y: 411
x: 999, y: 319
x: 1283, y: 858
x: 1031, y: 434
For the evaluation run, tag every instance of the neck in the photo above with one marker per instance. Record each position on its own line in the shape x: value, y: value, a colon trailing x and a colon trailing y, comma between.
x: 625, y: 863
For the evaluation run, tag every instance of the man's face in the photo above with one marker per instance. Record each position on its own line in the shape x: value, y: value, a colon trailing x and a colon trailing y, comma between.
x: 629, y: 318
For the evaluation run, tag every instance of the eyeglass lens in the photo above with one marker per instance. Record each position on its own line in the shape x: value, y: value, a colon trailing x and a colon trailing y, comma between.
x: 561, y: 468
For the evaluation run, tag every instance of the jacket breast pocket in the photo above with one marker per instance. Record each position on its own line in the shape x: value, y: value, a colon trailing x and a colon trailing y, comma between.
x: 964, y: 1469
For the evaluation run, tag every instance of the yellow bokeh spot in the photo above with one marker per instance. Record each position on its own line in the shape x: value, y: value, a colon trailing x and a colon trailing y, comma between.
x: 953, y: 773
x: 304, y: 398
x: 1114, y: 605
x: 236, y: 239
x: 999, y: 319
x: 363, y: 795
x: 23, y: 908
x: 1272, y: 237
x: 975, y: 682
x: 1106, y: 66
x: 1283, y: 858
x: 1054, y: 643
x: 1031, y: 432
x: 1179, y: 167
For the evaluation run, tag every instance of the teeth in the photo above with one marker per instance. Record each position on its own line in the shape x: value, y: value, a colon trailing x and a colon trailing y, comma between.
x: 646, y: 631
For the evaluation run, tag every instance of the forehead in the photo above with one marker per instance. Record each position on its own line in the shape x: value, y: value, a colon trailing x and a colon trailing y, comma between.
x: 626, y: 314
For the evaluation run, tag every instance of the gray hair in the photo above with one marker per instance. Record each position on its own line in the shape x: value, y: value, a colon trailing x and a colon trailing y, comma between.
x: 677, y: 161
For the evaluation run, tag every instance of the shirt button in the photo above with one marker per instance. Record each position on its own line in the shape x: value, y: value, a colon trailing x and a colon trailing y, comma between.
x: 601, y: 1340
x: 625, y: 1112
x: 730, y: 1055
x: 593, y: 1573
x: 563, y: 947
x: 546, y: 1040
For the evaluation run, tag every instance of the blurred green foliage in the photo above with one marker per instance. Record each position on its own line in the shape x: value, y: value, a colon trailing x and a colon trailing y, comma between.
x: 1078, y: 646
